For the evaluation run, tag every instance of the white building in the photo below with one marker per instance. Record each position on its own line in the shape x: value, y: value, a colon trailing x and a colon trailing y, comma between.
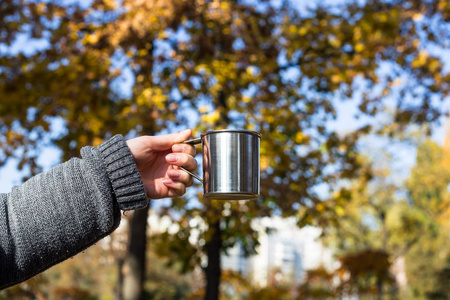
x: 285, y: 252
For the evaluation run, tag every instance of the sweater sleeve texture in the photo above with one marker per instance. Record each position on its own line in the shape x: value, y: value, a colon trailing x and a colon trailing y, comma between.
x: 59, y: 213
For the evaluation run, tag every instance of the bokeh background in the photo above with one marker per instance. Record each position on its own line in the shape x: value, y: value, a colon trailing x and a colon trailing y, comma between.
x: 351, y: 98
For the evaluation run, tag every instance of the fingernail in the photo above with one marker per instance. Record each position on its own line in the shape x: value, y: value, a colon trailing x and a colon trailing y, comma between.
x: 172, y: 157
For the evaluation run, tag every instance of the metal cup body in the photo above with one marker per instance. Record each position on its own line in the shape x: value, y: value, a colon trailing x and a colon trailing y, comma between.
x: 231, y: 169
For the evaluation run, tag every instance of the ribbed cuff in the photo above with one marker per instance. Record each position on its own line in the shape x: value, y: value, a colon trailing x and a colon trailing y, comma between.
x: 123, y: 173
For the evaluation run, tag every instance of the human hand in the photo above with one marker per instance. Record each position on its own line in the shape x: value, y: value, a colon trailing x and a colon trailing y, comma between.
x: 158, y: 158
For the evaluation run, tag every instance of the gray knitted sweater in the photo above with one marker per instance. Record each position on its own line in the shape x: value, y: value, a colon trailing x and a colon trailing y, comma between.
x: 59, y: 213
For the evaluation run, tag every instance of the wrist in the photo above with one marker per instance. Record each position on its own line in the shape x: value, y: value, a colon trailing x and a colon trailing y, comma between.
x: 123, y: 174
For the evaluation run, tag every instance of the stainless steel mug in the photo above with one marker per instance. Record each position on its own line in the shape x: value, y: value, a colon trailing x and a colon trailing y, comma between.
x: 230, y: 164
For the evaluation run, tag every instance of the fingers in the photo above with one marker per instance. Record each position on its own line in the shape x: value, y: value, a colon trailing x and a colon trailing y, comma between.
x: 178, y: 179
x: 175, y: 188
x: 166, y: 141
x: 184, y: 148
x: 178, y: 175
x: 177, y: 182
x: 182, y: 156
x: 182, y: 160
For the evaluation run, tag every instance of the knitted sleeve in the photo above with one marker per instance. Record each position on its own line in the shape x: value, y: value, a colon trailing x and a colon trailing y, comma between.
x: 59, y: 213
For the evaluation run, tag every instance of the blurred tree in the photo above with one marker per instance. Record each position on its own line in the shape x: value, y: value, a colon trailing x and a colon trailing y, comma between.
x: 368, y: 272
x: 319, y: 284
x: 429, y: 181
x: 255, y: 65
x: 91, y: 275
x: 32, y: 289
x: 370, y: 226
x: 237, y: 287
x: 428, y: 262
x: 163, y: 282
x: 375, y: 227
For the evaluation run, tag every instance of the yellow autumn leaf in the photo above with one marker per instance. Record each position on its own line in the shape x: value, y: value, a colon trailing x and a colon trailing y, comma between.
x: 359, y: 47
x: 143, y: 98
x: 303, y: 31
x: 335, y: 78
x: 270, y: 119
x: 420, y: 60
x: 127, y: 110
x: 251, y: 126
x: 212, y: 117
x: 434, y: 65
x: 224, y: 5
x: 159, y: 100
x: 95, y: 125
x: 443, y: 4
x: 320, y: 207
x: 340, y: 211
x: 264, y: 164
x: 150, y: 97
x: 40, y: 8
x: 142, y: 52
x: 111, y: 4
x: 97, y: 141
x: 162, y: 35
x: 299, y: 137
x: 91, y: 38
x: 293, y: 29
x: 179, y: 72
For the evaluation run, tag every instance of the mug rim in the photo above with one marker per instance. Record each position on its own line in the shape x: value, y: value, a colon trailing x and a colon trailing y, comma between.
x: 246, y: 131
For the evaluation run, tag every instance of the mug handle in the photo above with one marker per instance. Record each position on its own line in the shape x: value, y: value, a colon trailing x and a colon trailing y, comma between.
x: 192, y: 142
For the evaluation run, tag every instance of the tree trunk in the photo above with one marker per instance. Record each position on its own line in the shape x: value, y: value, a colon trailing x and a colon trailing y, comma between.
x: 134, y: 264
x: 118, y: 291
x: 380, y: 289
x: 213, y: 270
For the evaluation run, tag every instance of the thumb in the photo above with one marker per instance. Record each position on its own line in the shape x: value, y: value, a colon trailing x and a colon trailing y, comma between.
x: 166, y: 141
